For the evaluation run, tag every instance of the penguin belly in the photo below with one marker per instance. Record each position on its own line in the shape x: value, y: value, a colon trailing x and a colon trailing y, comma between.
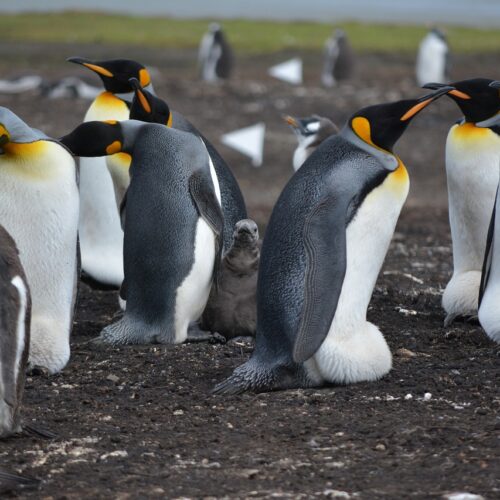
x: 354, y: 349
x: 431, y: 61
x: 39, y: 208
x: 101, y: 235
x: 472, y: 156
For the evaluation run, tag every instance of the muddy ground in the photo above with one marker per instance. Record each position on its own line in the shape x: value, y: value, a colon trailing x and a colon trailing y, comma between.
x: 140, y: 422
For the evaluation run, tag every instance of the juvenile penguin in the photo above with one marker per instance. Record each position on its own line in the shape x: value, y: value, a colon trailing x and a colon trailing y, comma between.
x: 101, y: 236
x: 315, y: 276
x: 15, y: 317
x: 150, y: 108
x: 310, y: 133
x: 215, y: 56
x: 173, y: 226
x: 472, y: 158
x: 338, y: 60
x: 39, y: 208
x: 232, y: 305
x: 433, y: 59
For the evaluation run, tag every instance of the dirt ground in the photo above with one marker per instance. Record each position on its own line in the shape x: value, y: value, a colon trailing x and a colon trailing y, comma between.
x: 139, y: 422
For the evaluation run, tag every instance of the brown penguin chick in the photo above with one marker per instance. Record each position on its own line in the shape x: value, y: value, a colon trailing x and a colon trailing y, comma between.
x: 231, y: 309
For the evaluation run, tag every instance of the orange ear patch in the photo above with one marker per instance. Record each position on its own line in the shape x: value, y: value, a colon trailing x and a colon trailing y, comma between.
x: 361, y: 126
x: 114, y: 147
x: 169, y: 121
x: 144, y: 78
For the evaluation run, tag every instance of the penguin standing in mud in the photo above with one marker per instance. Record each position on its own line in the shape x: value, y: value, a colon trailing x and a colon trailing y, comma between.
x: 215, y: 56
x: 101, y: 236
x: 433, y: 59
x: 173, y: 226
x: 489, y: 291
x: 338, y: 61
x: 39, y: 208
x: 310, y: 133
x: 316, y: 276
x: 149, y: 108
x: 472, y: 159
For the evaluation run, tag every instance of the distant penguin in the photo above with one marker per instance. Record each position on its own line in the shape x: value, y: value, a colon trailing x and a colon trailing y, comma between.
x: 173, y: 227
x: 39, y: 208
x: 70, y: 87
x: 150, y: 108
x: 21, y: 84
x: 215, y: 56
x: 310, y: 133
x: 338, y: 60
x: 231, y: 310
x: 323, y: 249
x: 433, y: 59
x: 472, y: 159
x: 15, y: 311
x: 101, y: 236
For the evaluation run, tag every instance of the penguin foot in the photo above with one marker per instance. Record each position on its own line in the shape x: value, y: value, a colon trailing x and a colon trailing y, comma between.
x: 196, y: 334
x: 450, y: 318
x: 98, y: 343
x: 466, y: 318
x: 37, y: 371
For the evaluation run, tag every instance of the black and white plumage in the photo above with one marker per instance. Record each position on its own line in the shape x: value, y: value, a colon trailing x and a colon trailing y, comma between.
x: 338, y: 60
x: 433, y: 59
x: 71, y: 87
x: 20, y: 84
x: 215, y: 56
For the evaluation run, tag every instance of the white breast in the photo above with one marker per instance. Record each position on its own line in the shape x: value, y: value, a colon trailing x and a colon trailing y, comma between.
x: 431, y: 60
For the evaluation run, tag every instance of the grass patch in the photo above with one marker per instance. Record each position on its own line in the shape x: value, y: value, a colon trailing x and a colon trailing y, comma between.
x: 251, y: 37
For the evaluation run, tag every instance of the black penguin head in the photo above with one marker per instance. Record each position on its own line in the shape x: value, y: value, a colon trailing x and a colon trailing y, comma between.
x: 95, y: 139
x: 438, y: 33
x: 146, y: 107
x: 383, y: 124
x: 477, y: 100
x: 116, y: 73
x: 245, y: 232
x: 311, y: 126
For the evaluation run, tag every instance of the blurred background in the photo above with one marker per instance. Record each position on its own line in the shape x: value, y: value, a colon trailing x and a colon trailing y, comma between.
x: 384, y: 36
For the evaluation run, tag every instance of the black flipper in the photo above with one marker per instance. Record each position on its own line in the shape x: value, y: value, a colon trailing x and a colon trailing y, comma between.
x: 488, y: 254
x: 208, y: 207
x: 10, y: 481
x: 123, y: 206
x: 326, y: 260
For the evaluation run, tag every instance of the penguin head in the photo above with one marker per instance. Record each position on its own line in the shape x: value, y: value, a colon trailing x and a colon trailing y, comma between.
x: 311, y: 128
x: 494, y: 121
x: 477, y: 100
x: 14, y: 131
x: 116, y: 73
x: 146, y: 107
x: 383, y: 124
x: 95, y: 139
x: 245, y: 231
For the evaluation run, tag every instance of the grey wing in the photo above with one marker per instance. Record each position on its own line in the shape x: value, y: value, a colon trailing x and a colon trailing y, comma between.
x: 325, y: 245
x: 209, y: 209
x: 488, y: 253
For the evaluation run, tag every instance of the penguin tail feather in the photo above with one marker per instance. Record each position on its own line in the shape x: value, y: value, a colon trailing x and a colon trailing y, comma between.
x: 11, y: 480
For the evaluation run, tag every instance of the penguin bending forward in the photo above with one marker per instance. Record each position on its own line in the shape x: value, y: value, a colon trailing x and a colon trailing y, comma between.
x: 173, y: 226
x: 103, y: 180
x: 316, y: 277
x: 489, y: 291
x: 39, y: 208
x: 149, y: 108
x: 472, y: 159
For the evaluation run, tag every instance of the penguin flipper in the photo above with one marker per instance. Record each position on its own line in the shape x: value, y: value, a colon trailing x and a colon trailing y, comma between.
x: 209, y: 209
x: 325, y: 246
x: 123, y: 206
x: 488, y: 254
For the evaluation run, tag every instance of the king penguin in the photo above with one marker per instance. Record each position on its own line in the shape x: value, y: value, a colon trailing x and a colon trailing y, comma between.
x: 338, y: 61
x: 101, y: 236
x: 315, y: 276
x: 39, y: 208
x: 215, y: 56
x: 310, y: 133
x: 149, y: 108
x: 173, y: 226
x: 489, y: 291
x: 472, y: 158
x: 433, y: 59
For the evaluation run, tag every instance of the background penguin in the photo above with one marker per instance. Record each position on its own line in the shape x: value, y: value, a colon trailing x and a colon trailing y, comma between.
x: 150, y: 108
x: 232, y: 309
x: 433, y: 59
x: 39, y: 208
x: 173, y: 226
x: 472, y: 159
x: 310, y: 133
x: 316, y: 276
x: 215, y: 56
x: 338, y: 61
x: 101, y: 236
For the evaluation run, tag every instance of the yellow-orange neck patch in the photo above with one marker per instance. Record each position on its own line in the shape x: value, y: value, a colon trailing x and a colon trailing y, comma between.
x: 114, y: 147
x: 468, y: 131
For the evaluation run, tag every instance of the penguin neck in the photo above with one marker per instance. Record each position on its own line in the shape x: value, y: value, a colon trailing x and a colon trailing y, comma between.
x: 389, y: 160
x: 106, y: 106
x: 251, y: 254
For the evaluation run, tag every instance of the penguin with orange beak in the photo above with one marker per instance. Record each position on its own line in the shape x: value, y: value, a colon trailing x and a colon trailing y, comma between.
x: 472, y: 159
x: 323, y: 249
x: 101, y: 235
